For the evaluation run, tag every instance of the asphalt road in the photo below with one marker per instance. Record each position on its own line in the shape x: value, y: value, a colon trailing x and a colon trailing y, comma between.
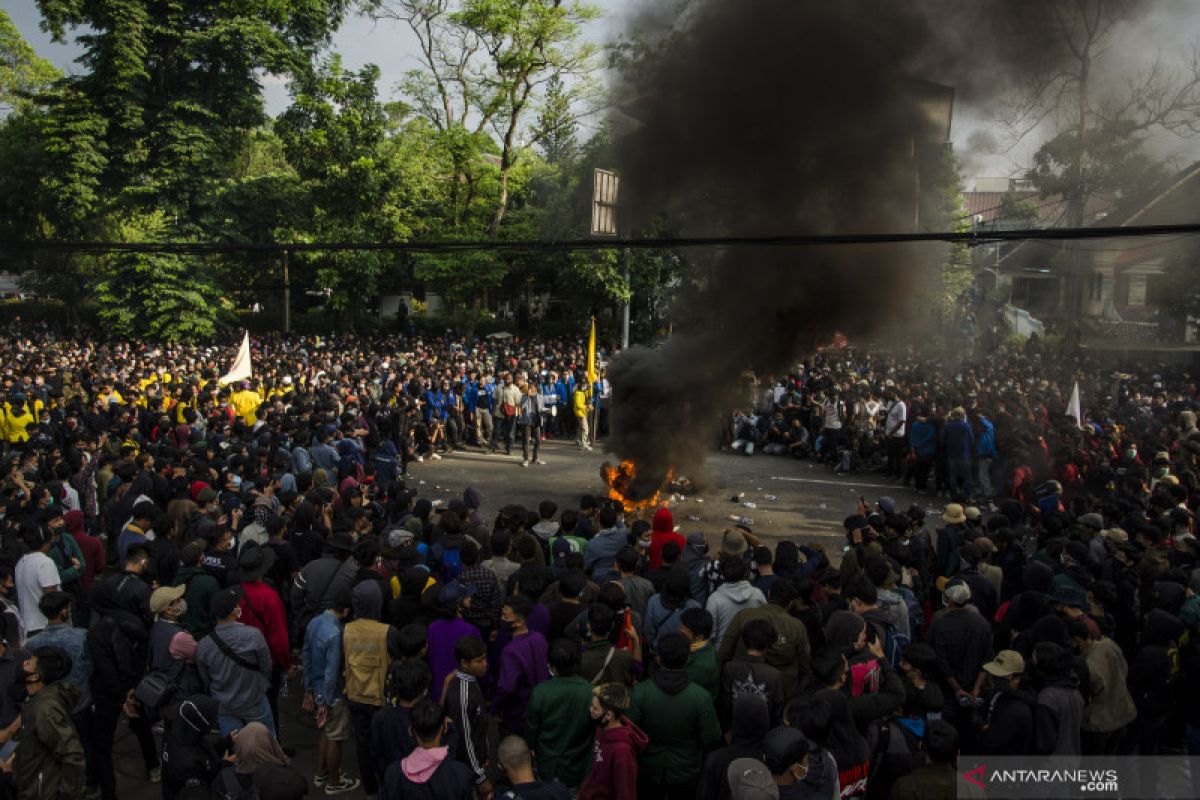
x: 796, y: 499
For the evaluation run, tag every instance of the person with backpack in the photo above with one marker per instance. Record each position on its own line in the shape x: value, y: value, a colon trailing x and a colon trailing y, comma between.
x: 603, y: 661
x: 863, y: 598
x: 323, y: 693
x: 556, y: 721
x: 118, y: 646
x: 235, y: 664
x: 664, y: 612
x: 320, y: 581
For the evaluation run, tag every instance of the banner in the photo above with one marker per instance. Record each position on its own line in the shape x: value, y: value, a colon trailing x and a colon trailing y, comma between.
x: 591, y: 356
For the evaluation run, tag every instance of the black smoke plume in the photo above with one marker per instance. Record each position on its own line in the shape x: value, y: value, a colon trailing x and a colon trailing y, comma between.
x: 775, y: 117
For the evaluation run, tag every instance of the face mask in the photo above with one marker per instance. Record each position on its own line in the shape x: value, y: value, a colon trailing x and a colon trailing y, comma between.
x: 28, y: 677
x: 1131, y: 454
x: 183, y: 607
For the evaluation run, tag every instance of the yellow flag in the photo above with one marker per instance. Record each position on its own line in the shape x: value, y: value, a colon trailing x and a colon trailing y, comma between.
x: 591, y: 362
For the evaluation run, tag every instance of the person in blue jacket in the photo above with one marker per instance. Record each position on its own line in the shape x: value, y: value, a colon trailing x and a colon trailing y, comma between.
x: 922, y: 438
x: 985, y: 451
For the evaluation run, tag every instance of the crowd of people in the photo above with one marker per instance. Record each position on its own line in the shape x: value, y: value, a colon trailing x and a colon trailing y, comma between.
x: 183, y: 554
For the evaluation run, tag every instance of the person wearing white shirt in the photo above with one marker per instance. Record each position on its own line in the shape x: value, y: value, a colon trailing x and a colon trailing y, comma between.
x: 35, y: 575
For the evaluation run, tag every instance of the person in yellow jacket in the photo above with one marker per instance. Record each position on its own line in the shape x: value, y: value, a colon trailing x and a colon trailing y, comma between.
x: 580, y: 401
x: 245, y: 402
x: 17, y: 418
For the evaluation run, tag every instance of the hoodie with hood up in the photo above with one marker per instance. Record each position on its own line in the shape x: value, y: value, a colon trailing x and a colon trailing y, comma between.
x: 680, y: 721
x: 727, y: 601
x: 614, y: 763
x: 425, y: 773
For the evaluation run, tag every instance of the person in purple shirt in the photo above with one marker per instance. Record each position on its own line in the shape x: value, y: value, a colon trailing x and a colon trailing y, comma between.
x: 444, y: 633
x: 523, y: 665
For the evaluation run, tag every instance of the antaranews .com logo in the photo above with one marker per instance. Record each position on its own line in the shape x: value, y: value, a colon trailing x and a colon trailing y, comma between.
x: 1087, y: 780
x: 1079, y: 777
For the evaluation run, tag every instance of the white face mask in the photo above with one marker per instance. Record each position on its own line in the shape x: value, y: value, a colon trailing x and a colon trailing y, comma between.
x: 183, y: 607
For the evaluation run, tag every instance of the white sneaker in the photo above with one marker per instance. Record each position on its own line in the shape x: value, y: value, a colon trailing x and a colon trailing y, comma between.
x: 435, y: 456
x: 540, y: 461
x: 525, y: 462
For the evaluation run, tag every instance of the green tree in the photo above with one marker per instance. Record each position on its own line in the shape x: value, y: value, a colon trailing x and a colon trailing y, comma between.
x: 487, y: 67
x: 171, y: 94
x: 159, y: 296
x: 23, y: 73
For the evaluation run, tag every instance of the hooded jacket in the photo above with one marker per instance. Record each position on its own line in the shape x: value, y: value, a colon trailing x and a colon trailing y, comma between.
x: 1152, y: 673
x: 190, y: 744
x: 49, y: 762
x: 1058, y: 717
x: 118, y: 644
x: 426, y: 773
x: 680, y: 722
x: 1009, y: 724
x: 614, y: 770
x: 727, y: 601
x: 750, y: 723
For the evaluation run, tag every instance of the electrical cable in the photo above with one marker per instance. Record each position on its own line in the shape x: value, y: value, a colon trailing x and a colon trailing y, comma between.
x: 971, y: 238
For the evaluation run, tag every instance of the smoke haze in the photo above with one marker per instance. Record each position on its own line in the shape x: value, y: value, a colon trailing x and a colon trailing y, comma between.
x: 775, y: 117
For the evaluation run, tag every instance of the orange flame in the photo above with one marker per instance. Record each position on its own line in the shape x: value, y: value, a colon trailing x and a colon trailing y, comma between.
x: 620, y: 485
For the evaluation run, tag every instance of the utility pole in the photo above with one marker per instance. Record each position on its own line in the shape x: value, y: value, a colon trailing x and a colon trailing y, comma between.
x: 287, y: 296
x: 628, y: 297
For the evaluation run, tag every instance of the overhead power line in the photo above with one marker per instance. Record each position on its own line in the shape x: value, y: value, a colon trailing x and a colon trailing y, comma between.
x: 637, y: 243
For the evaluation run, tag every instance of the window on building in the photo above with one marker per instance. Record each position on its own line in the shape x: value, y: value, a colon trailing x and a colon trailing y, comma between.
x: 1137, y: 290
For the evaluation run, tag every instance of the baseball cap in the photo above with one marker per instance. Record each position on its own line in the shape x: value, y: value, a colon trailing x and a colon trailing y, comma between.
x: 784, y: 746
x: 163, y: 596
x: 560, y: 550
x: 749, y: 779
x: 225, y: 601
x: 1007, y: 662
x: 450, y: 595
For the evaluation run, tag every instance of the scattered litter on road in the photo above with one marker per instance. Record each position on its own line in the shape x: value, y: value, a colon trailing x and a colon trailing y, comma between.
x: 749, y: 505
x: 695, y: 517
x: 741, y: 520
x: 769, y: 497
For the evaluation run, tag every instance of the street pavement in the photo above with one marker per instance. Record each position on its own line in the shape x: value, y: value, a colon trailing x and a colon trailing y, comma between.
x: 793, y: 499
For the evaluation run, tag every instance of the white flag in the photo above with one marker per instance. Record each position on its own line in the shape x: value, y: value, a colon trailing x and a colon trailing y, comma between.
x: 240, y: 370
x: 1073, y: 408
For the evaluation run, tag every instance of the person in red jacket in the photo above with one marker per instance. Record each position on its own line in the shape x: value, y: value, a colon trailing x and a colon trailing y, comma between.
x: 263, y: 609
x: 662, y: 530
x: 618, y: 742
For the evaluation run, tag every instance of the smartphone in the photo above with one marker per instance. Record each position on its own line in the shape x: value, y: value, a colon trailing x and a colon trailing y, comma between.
x: 8, y: 749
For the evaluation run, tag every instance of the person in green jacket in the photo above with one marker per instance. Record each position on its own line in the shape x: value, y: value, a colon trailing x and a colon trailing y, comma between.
x: 696, y: 625
x: 197, y: 619
x: 49, y: 762
x: 680, y: 722
x: 558, y: 727
x: 64, y: 550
